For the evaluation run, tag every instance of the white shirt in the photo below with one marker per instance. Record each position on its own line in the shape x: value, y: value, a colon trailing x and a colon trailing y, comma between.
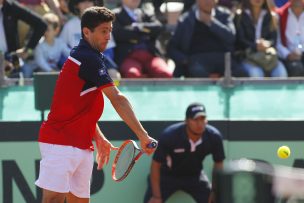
x: 195, y: 144
x: 3, y: 45
x: 294, y: 25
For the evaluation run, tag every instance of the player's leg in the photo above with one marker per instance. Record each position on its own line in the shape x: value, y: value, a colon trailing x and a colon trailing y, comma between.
x: 80, y: 181
x: 74, y: 199
x: 52, y: 197
x: 57, y: 165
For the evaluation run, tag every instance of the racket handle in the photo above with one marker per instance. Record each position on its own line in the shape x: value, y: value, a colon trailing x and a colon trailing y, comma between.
x: 152, y: 144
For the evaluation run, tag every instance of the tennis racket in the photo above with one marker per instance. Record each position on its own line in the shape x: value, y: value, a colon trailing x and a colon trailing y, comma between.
x: 125, y: 159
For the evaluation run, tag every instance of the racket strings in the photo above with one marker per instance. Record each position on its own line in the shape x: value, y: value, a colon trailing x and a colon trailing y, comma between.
x: 124, y: 160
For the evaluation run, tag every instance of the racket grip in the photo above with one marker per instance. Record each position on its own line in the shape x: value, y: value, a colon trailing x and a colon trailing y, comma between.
x: 152, y: 144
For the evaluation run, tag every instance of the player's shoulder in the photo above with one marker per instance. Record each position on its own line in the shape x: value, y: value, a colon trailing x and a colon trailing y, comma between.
x: 213, y: 131
x: 84, y: 54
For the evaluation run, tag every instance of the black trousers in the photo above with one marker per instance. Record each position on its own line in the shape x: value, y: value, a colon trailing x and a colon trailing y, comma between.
x: 197, y: 187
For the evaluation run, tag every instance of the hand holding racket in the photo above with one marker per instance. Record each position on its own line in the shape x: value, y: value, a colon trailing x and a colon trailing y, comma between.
x: 127, y: 155
x: 145, y: 144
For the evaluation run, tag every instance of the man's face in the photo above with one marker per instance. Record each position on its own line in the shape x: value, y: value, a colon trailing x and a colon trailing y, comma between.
x: 197, y: 126
x: 99, y: 37
x: 132, y: 4
x: 206, y: 6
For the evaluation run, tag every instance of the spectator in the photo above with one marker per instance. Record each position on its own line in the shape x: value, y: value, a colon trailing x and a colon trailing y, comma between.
x: 71, y: 33
x: 201, y: 39
x: 291, y: 40
x: 51, y: 51
x: 187, y: 6
x: 64, y: 8
x: 135, y: 34
x: 177, y: 162
x: 11, y: 12
x: 257, y: 33
x: 40, y: 7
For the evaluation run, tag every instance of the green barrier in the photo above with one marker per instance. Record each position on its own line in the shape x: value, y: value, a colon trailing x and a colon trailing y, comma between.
x: 44, y: 84
x: 168, y: 99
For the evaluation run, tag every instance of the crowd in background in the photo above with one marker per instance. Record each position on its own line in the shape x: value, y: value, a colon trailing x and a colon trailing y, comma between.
x: 264, y: 37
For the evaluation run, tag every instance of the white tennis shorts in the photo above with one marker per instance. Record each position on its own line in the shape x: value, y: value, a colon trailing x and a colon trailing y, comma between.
x: 65, y: 169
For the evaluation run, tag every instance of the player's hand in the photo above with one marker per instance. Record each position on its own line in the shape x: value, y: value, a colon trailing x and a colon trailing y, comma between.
x: 104, y: 148
x: 144, y: 142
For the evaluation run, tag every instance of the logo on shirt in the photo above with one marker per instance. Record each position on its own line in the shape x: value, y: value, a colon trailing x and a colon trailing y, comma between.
x: 102, y: 72
x: 180, y: 150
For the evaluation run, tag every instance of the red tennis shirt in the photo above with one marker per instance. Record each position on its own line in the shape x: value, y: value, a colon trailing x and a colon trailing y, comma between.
x: 78, y: 100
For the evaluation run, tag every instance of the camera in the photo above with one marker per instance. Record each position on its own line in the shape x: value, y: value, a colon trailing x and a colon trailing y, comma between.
x: 12, y: 69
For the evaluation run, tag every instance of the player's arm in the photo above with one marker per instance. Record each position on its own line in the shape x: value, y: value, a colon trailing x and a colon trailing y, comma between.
x: 155, y: 182
x: 103, y: 146
x: 123, y: 107
x: 219, y: 165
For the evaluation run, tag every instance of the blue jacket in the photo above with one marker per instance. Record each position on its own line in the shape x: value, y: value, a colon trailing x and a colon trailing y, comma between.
x: 222, y: 26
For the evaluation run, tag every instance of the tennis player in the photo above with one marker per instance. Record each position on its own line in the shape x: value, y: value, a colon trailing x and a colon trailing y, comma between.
x: 65, y: 138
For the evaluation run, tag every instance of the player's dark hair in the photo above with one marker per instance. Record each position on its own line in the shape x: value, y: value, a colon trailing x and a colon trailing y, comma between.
x: 94, y: 16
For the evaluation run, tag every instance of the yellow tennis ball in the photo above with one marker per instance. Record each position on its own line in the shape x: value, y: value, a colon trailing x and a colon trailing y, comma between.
x: 117, y: 83
x: 283, y: 152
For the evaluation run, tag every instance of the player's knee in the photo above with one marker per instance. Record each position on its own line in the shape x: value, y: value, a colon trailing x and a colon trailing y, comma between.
x: 52, y: 197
